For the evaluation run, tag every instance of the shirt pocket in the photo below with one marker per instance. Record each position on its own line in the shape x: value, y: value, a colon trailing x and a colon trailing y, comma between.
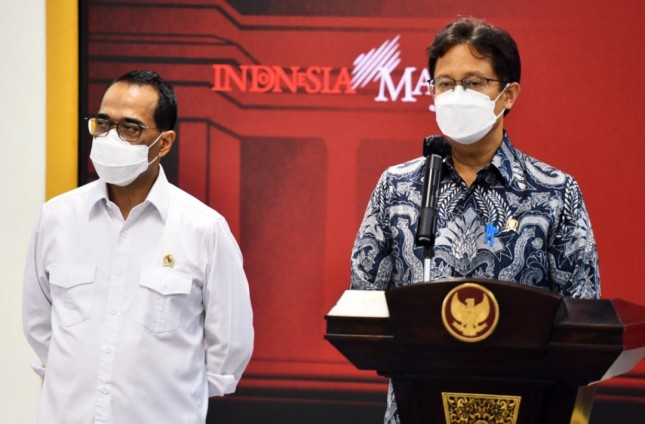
x: 161, y: 297
x: 72, y: 289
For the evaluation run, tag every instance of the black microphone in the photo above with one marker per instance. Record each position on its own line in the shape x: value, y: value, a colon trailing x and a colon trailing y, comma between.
x: 435, y: 144
x: 435, y: 148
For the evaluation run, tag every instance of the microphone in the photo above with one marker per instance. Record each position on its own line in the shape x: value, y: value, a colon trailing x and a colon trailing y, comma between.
x: 435, y: 148
x: 435, y: 144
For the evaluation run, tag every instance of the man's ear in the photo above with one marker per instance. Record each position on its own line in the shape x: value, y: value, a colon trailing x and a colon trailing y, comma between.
x: 511, y: 94
x: 167, y: 140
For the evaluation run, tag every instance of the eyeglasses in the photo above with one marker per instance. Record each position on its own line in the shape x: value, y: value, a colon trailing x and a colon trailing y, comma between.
x: 442, y: 84
x: 127, y: 131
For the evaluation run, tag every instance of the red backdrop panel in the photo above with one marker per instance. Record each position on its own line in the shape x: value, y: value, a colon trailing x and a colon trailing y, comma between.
x: 273, y: 134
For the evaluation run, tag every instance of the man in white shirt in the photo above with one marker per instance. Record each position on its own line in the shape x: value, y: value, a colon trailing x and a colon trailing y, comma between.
x: 135, y: 298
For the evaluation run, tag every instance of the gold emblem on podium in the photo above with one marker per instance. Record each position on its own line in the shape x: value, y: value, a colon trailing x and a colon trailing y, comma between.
x: 475, y: 408
x: 470, y: 312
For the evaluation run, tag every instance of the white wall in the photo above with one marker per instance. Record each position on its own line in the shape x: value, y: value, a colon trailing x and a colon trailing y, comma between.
x: 22, y: 191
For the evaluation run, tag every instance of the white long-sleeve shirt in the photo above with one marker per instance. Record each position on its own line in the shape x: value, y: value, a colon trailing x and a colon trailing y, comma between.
x: 137, y: 320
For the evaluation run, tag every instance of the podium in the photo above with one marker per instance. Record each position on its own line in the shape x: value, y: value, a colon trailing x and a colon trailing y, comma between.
x: 473, y: 351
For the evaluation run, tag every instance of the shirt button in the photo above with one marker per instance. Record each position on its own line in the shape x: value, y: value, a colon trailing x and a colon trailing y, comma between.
x: 119, y: 272
x: 107, y: 349
x: 104, y: 390
x: 124, y: 234
x: 113, y: 311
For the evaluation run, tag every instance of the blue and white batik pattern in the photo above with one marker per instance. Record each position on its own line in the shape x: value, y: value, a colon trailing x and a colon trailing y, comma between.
x: 521, y: 220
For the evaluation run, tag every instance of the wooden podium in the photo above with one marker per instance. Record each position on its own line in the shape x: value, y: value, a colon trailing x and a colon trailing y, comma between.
x: 472, y: 351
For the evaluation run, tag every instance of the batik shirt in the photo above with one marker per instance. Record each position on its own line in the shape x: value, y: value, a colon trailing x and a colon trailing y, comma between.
x: 521, y: 220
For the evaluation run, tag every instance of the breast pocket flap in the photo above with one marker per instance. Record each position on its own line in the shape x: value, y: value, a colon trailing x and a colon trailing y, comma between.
x: 69, y: 275
x: 165, y: 281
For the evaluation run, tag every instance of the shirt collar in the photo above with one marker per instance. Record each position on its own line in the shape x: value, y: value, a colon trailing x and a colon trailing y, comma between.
x: 98, y: 195
x: 504, y: 159
x: 158, y: 196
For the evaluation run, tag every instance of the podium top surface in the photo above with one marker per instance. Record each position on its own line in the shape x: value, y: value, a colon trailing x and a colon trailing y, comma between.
x: 586, y: 339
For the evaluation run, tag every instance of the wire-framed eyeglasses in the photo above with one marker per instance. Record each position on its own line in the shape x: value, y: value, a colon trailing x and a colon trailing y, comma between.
x: 443, y: 84
x: 127, y: 131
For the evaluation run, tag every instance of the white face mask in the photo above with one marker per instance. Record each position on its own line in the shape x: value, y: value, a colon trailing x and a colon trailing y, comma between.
x: 117, y: 161
x: 465, y: 116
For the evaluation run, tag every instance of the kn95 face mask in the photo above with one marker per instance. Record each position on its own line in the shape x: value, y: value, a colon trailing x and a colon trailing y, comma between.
x: 465, y: 116
x: 118, y: 162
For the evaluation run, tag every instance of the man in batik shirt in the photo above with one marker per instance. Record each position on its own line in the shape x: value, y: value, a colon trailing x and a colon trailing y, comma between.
x: 501, y: 214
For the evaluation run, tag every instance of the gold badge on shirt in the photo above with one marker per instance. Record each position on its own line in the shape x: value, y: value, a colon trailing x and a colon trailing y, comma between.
x: 512, y: 225
x: 168, y: 260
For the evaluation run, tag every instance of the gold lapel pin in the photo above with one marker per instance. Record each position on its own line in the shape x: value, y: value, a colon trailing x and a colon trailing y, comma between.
x: 512, y: 225
x: 168, y: 260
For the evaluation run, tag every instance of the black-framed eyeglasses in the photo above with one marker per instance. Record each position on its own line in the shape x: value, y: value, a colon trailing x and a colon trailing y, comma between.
x: 127, y: 131
x: 443, y: 84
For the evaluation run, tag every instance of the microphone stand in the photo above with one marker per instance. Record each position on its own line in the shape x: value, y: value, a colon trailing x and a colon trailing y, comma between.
x: 427, y: 224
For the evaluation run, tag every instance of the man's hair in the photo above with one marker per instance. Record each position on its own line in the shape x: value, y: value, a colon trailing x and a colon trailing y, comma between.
x: 165, y: 114
x: 491, y: 42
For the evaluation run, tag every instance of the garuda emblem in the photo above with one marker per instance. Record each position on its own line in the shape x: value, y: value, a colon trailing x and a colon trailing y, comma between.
x: 470, y: 312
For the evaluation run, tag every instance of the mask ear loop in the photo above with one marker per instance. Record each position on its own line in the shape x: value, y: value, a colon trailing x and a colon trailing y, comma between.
x: 502, y: 92
x: 153, y: 143
x: 497, y: 98
x: 157, y: 139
